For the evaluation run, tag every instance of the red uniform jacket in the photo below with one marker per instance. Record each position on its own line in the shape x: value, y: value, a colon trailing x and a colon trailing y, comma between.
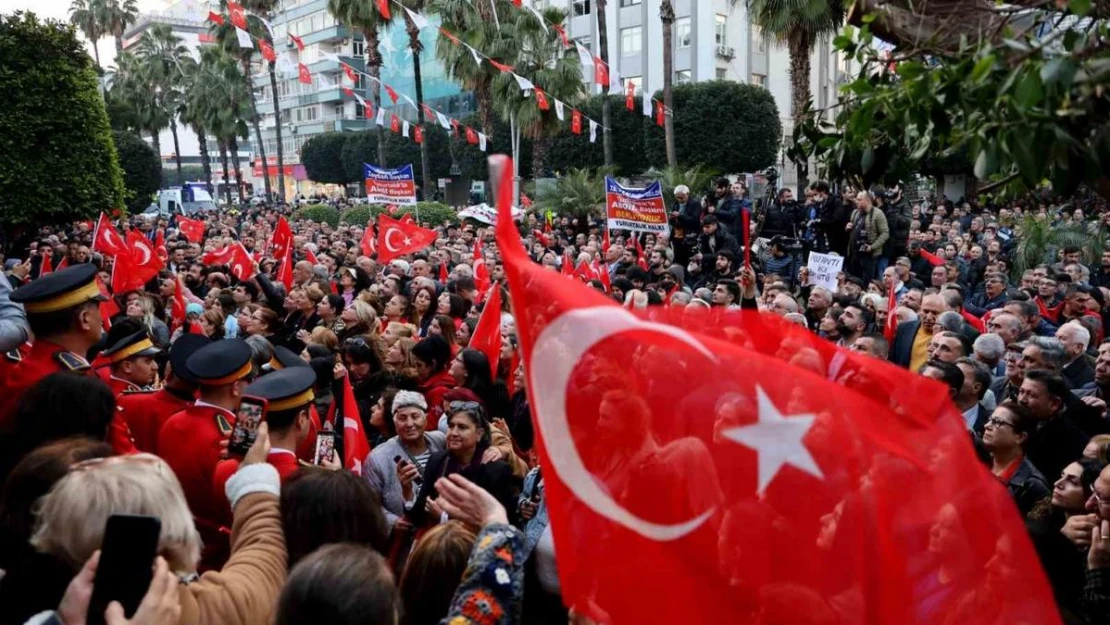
x: 119, y: 386
x: 145, y: 412
x: 190, y: 443
x: 43, y: 359
x: 283, y: 460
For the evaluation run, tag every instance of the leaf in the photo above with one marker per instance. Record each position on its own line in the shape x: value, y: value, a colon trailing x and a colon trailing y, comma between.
x: 1029, y: 90
x: 868, y: 160
x: 1080, y: 7
x: 1021, y: 150
x: 1059, y: 69
x: 985, y: 163
x: 982, y: 68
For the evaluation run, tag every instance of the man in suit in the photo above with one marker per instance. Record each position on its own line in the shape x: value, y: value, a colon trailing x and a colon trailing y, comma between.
x: 977, y: 381
x: 1078, y: 370
x: 911, y: 340
x: 1056, y: 441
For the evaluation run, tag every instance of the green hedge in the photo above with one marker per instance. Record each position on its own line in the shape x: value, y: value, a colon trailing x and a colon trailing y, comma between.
x: 357, y: 215
x: 427, y: 213
x: 320, y: 213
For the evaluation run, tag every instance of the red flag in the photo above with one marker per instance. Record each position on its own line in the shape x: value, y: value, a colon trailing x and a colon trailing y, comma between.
x: 630, y: 96
x: 443, y: 276
x: 501, y: 66
x: 418, y: 134
x: 282, y: 239
x: 193, y: 229
x: 605, y: 240
x: 584, y: 272
x: 449, y: 35
x: 746, y: 223
x: 777, y: 492
x: 640, y: 260
x: 106, y: 239
x: 160, y: 246
x: 486, y: 337
x: 542, y: 101
x: 350, y: 72
x: 518, y: 3
x: 397, y: 238
x: 216, y: 18
x: 471, y: 136
x: 108, y: 307
x: 429, y: 112
x: 267, y: 50
x: 137, y: 265
x: 310, y: 256
x: 368, y: 108
x: 576, y: 122
x: 236, y: 257
x: 355, y: 446
x: 238, y: 15
x: 303, y: 75
x: 383, y: 8
x: 394, y: 123
x: 525, y: 201
x: 568, y: 264
x: 47, y: 265
x: 297, y: 41
x: 285, y: 269
x: 603, y: 275
x: 369, y: 243
x: 455, y: 126
x: 481, y: 272
x: 973, y: 321
x: 891, y: 325
x: 406, y: 218
x: 601, y: 72
x: 562, y: 34
x: 932, y: 258
x: 660, y: 114
x: 62, y: 265
x: 390, y: 92
x: 177, y: 308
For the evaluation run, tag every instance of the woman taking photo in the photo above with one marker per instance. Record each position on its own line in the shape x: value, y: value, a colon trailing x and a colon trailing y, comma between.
x: 359, y: 318
x: 330, y: 309
x: 395, y: 468
x: 471, y: 370
x: 1003, y: 436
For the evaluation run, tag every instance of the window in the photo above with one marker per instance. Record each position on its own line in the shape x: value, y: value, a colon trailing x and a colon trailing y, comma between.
x: 722, y: 73
x: 760, y: 40
x: 683, y: 76
x: 539, y: 5
x: 722, y: 30
x: 581, y: 7
x: 338, y: 111
x: 358, y: 48
x: 630, y: 3
x: 586, y: 41
x: 682, y: 34
x: 307, y: 114
x: 631, y: 40
x: 759, y: 79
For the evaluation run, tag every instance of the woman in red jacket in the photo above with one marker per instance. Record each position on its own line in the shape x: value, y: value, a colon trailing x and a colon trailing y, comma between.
x: 433, y: 355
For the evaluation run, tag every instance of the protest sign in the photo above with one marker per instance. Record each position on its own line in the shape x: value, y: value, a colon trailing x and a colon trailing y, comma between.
x: 823, y: 269
x: 641, y: 210
x: 390, y: 186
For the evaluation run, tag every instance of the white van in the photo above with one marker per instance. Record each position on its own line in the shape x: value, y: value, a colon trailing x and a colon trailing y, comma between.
x: 187, y: 200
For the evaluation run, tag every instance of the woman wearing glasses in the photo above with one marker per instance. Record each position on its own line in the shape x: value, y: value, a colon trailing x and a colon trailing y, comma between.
x: 1005, y: 433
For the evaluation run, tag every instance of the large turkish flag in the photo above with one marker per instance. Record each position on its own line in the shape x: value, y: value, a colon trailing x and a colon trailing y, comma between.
x: 711, y: 469
x: 398, y: 237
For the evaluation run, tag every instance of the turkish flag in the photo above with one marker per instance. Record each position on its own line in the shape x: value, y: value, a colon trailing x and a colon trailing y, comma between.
x: 236, y: 257
x: 933, y: 259
x: 285, y: 269
x: 562, y: 34
x: 567, y: 268
x: 193, y: 229
x: 584, y: 272
x: 106, y: 239
x: 267, y: 50
x: 350, y: 72
x: 397, y: 238
x: 355, y: 445
x: 216, y: 18
x: 443, y: 276
x: 418, y: 135
x: 108, y: 308
x: 303, y: 75
x: 394, y: 123
x: 369, y: 243
x: 390, y: 92
x: 601, y: 72
x: 62, y: 265
x: 383, y: 8
x: 542, y: 101
x: 576, y: 122
x: 481, y: 272
x: 660, y: 114
x: 603, y: 275
x: 501, y: 66
x: 890, y: 326
x: 471, y: 136
x: 282, y: 239
x: 47, y: 265
x: 177, y: 308
x: 310, y: 256
x: 630, y: 96
x: 486, y: 337
x: 746, y: 228
x: 406, y: 218
x: 160, y: 246
x: 237, y: 13
x: 137, y: 265
x: 297, y: 41
x: 455, y: 126
x: 640, y: 260
x: 770, y: 491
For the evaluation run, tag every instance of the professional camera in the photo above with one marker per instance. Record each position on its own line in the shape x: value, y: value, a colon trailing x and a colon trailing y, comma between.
x: 786, y: 244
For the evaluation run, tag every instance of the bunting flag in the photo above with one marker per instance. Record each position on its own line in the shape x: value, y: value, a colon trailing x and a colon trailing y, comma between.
x: 559, y: 110
x: 418, y: 135
x: 390, y: 92
x: 576, y: 122
x: 471, y: 136
x: 660, y: 114
x: 474, y: 54
x: 394, y: 123
x: 648, y: 105
x: 216, y: 18
x: 368, y: 108
x: 244, y: 39
x: 297, y: 41
x: 501, y: 66
x: 404, y: 129
x: 562, y: 34
x: 429, y: 113
x: 383, y: 8
x: 593, y: 131
x: 524, y: 84
x: 630, y: 96
x: 601, y: 72
x: 380, y: 119
x: 486, y: 337
x: 237, y: 13
x: 418, y: 20
x: 350, y: 72
x: 542, y: 101
x: 355, y: 445
x: 482, y: 141
x: 443, y: 121
x: 455, y: 126
x: 539, y: 18
x: 446, y: 33
x: 303, y: 75
x: 267, y: 50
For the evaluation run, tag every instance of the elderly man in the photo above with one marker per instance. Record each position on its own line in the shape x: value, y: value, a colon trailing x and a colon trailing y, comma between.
x: 1007, y: 327
x: 911, y: 341
x: 685, y: 223
x: 1078, y: 370
x: 993, y: 296
x: 989, y: 349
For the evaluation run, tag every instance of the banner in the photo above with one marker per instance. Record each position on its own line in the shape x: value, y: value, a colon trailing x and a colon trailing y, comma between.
x: 823, y: 269
x: 486, y: 214
x: 390, y: 186
x: 641, y: 210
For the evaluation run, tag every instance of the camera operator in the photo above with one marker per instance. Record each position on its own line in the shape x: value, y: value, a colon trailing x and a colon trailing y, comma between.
x: 899, y: 216
x: 867, y: 231
x: 685, y: 224
x: 826, y: 220
x: 781, y: 217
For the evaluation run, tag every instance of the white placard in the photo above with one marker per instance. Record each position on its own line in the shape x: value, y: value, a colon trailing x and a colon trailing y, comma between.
x: 823, y: 269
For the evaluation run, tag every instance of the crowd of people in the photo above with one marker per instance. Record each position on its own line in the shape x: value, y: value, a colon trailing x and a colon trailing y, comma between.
x: 111, y: 404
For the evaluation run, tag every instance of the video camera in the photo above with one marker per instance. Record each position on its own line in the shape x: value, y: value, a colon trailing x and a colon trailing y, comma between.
x: 787, y: 244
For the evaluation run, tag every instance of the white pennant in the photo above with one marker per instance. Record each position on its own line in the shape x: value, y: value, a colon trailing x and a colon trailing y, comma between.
x: 584, y: 55
x: 481, y: 142
x: 593, y: 131
x: 404, y: 128
x: 474, y: 53
x: 328, y: 56
x: 559, y: 110
x: 244, y: 38
x: 524, y: 83
x: 269, y: 27
x: 616, y: 84
x: 381, y: 117
x: 649, y: 110
x: 443, y: 121
x: 539, y: 17
x: 361, y: 102
x: 417, y: 19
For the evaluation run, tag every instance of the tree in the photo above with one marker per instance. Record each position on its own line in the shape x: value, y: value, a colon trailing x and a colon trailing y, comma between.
x: 666, y: 15
x: 363, y: 15
x: 142, y: 169
x: 1023, y: 101
x: 321, y: 157
x: 401, y: 150
x: 798, y: 24
x: 192, y: 111
x: 225, y: 110
x: 578, y: 193
x: 358, y: 149
x: 117, y: 17
x: 472, y: 161
x: 133, y: 83
x: 57, y: 160
x: 161, y: 54
x: 727, y: 125
x: 567, y: 150
x: 606, y: 105
x: 417, y: 47
x: 85, y: 15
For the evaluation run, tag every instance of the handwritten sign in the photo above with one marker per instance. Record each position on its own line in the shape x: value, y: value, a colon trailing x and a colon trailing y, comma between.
x: 823, y: 269
x: 642, y: 210
x: 390, y: 186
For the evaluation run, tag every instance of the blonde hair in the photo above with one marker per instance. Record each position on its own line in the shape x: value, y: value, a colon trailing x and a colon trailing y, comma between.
x: 72, y: 516
x: 324, y: 336
x: 408, y: 361
x: 366, y: 315
x: 401, y: 330
x: 314, y: 293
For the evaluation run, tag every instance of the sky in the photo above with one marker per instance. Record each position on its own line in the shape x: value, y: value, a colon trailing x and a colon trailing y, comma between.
x: 59, y: 10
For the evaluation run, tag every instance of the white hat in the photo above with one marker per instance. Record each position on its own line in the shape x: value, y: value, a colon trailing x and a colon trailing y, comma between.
x: 409, y: 399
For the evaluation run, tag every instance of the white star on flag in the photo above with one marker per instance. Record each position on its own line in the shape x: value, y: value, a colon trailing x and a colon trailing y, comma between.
x: 406, y: 241
x: 559, y: 109
x: 244, y: 38
x: 417, y: 19
x: 776, y: 439
x: 593, y: 131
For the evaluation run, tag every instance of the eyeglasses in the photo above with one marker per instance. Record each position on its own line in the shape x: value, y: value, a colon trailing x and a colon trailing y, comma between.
x: 995, y: 422
x: 355, y: 342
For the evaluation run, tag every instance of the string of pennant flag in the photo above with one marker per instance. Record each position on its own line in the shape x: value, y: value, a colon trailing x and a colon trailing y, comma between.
x: 397, y: 124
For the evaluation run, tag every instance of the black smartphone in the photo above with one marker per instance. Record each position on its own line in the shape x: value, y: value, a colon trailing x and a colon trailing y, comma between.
x: 325, y: 447
x: 126, y: 564
x: 251, y: 412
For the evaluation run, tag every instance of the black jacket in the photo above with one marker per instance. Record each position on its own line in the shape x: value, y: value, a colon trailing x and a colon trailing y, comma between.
x: 1027, y: 487
x: 687, y: 225
x: 495, y: 477
x: 1079, y: 373
x: 899, y: 215
x: 1055, y: 444
x: 901, y: 350
x: 1063, y: 562
x: 778, y: 219
x: 710, y: 244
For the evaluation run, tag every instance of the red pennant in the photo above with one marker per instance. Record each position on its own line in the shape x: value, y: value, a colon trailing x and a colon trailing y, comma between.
x: 501, y: 66
x: 216, y: 18
x: 106, y: 239
x: 630, y: 96
x: 355, y: 445
x: 350, y: 72
x: 394, y: 123
x: 282, y: 239
x: 891, y: 325
x: 267, y: 50
x: 449, y: 35
x: 47, y: 265
x: 471, y: 136
x: 486, y: 337
x: 660, y: 114
x: 303, y: 75
x: 369, y: 243
x: 297, y: 41
x: 418, y: 134
x: 383, y: 8
x: 443, y: 272
x: 237, y: 13
x: 285, y: 270
x: 397, y: 238
x: 177, y: 308
x: 576, y: 122
x: 542, y: 101
x: 310, y: 256
x: 391, y: 93
x: 933, y: 259
x: 601, y: 72
x: 481, y: 272
x: 368, y: 109
x: 160, y: 246
x: 562, y: 34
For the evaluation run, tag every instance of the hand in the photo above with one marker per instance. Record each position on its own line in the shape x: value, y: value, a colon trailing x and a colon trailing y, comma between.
x: 491, y: 454
x: 339, y: 371
x: 528, y: 509
x: 1078, y: 529
x: 407, y: 472
x: 464, y: 500
x: 223, y: 449
x: 21, y: 271
x: 1096, y: 403
x: 302, y: 336
x: 160, y: 606
x: 261, y: 447
x: 1098, y: 557
x: 75, y: 603
x: 403, y: 525
x: 500, y: 424
x: 331, y: 463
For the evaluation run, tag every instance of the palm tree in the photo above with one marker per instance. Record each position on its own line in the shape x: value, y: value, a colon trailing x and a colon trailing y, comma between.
x: 578, y: 193
x: 85, y: 15
x: 798, y: 24
x: 191, y: 111
x: 363, y: 15
x: 539, y: 55
x: 133, y: 84
x: 161, y: 53
x: 118, y: 17
x: 666, y: 15
x: 417, y: 47
x: 225, y: 94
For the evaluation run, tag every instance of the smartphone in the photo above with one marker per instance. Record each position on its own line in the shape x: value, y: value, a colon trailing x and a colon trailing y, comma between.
x: 325, y: 447
x: 126, y: 564
x: 252, y: 410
